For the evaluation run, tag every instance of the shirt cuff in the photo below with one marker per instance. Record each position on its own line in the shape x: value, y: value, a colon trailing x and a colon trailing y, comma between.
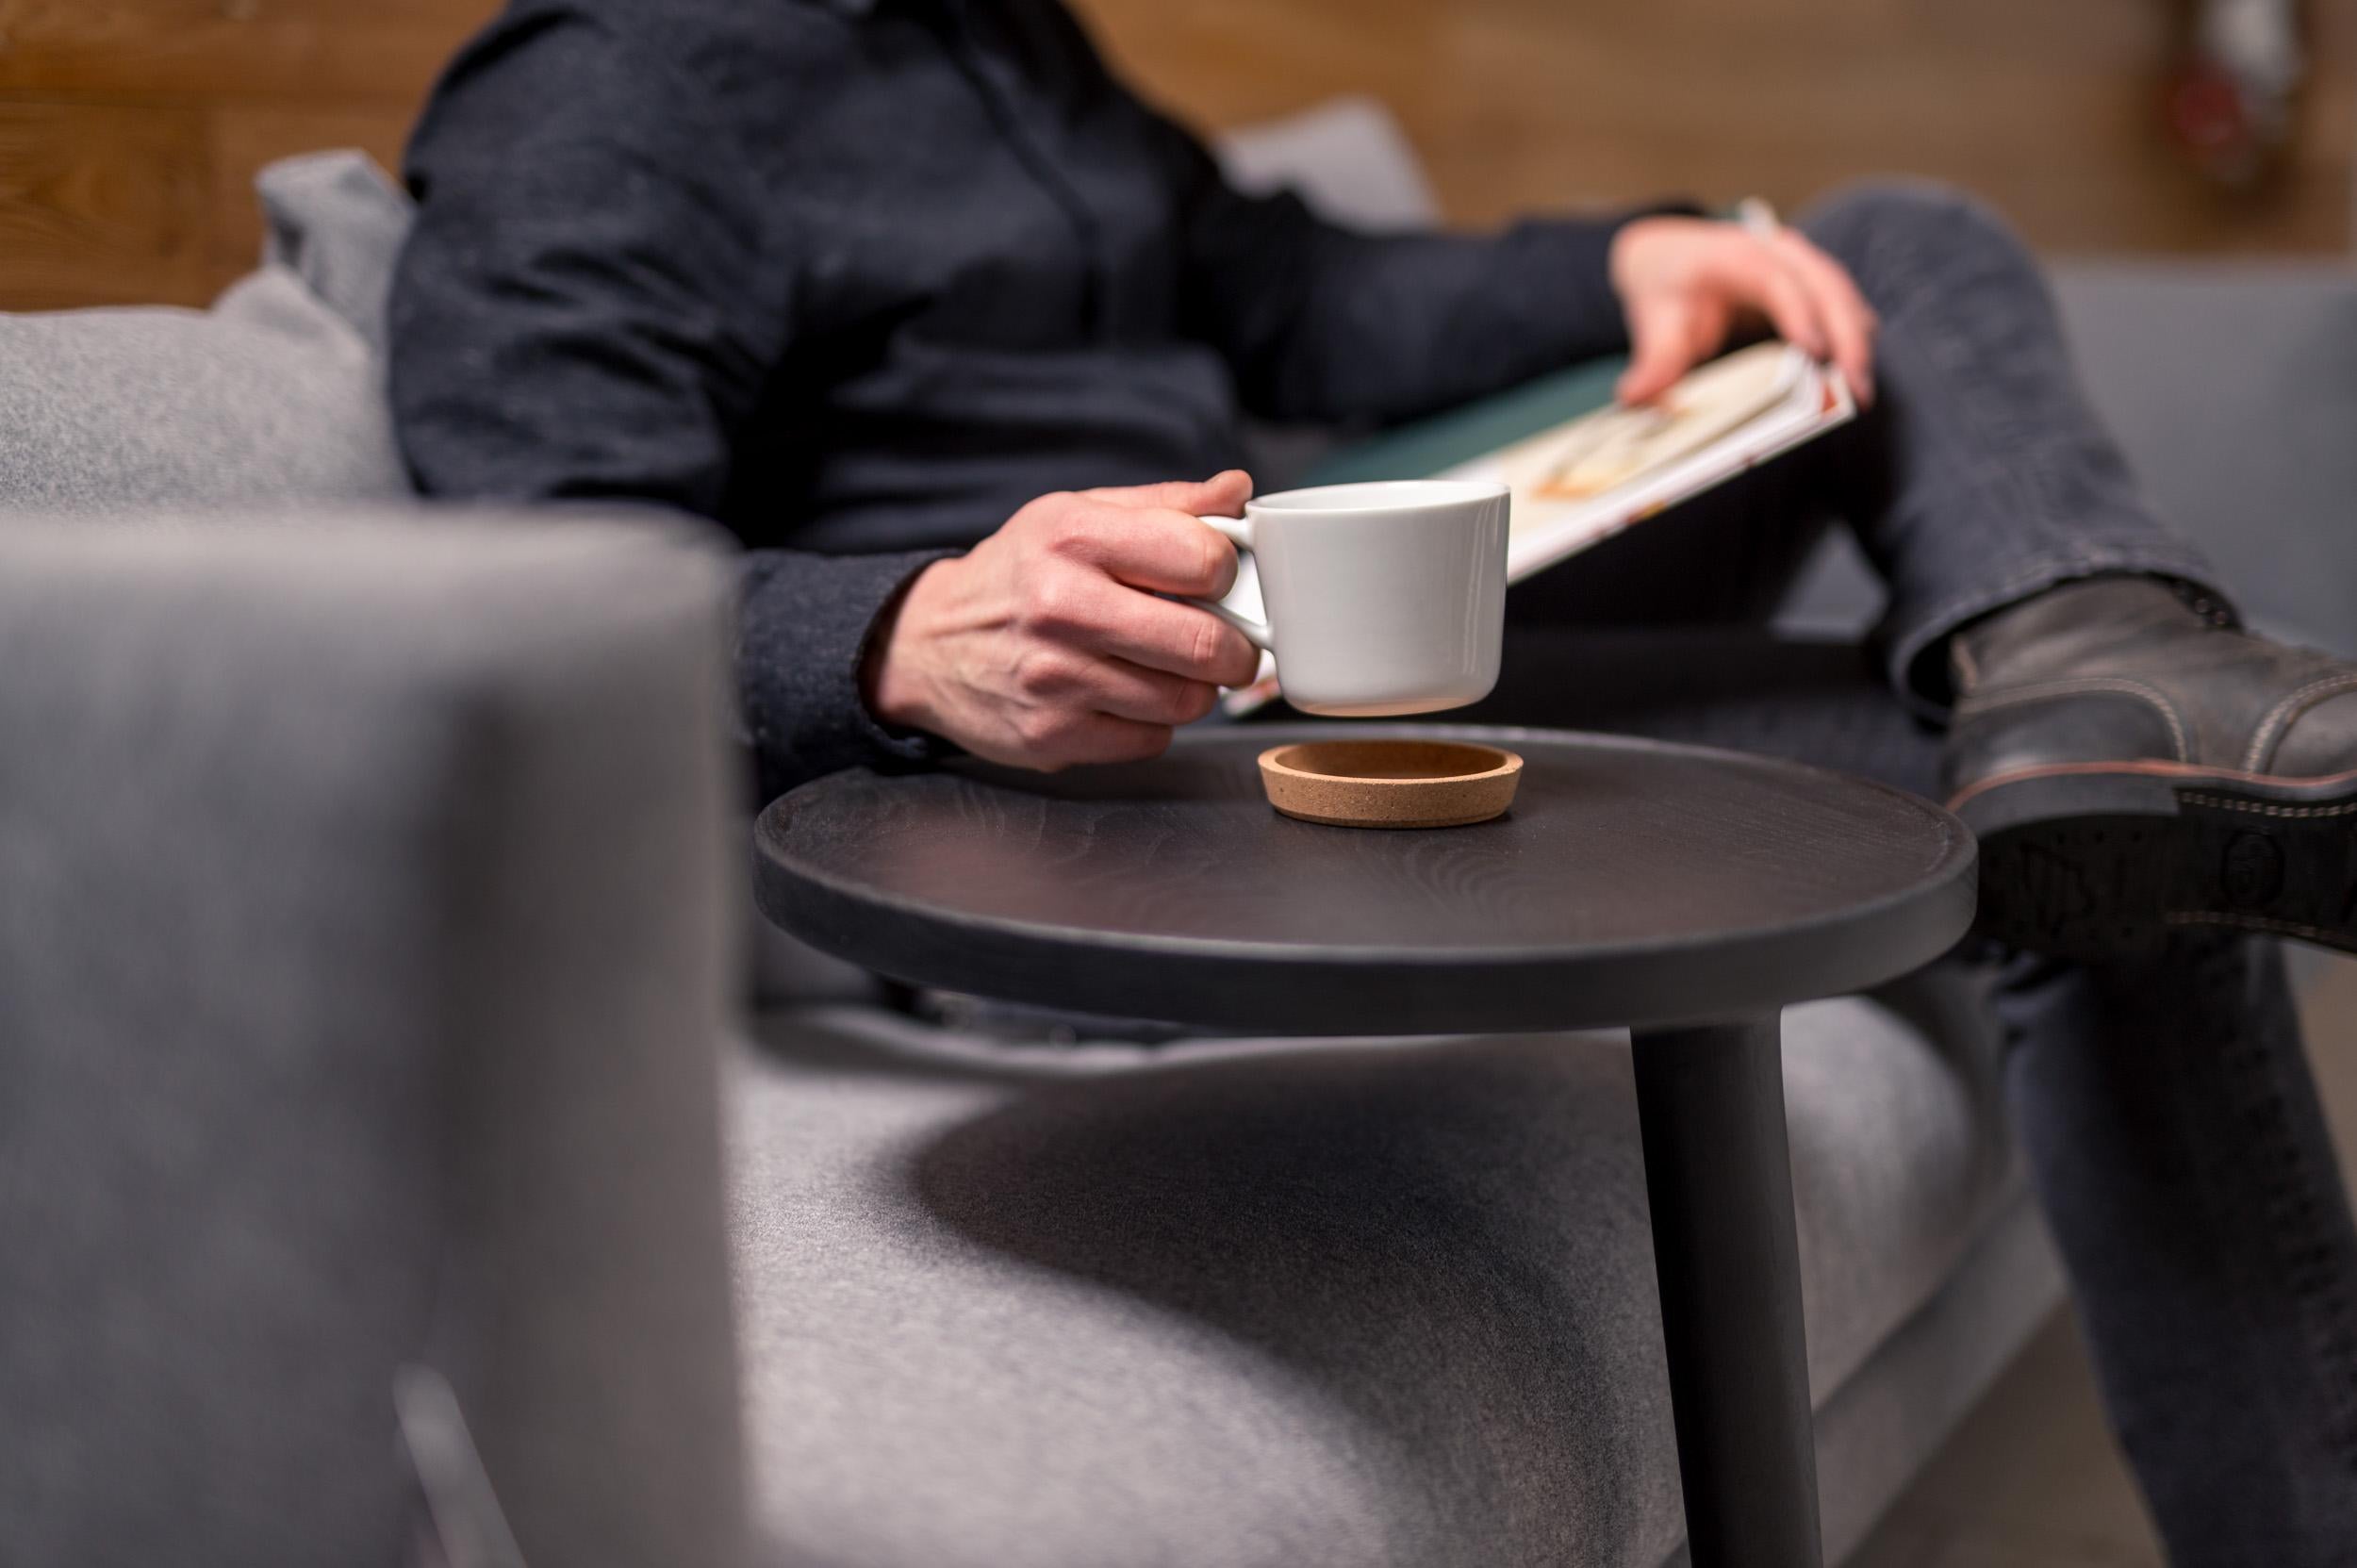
x: 803, y: 625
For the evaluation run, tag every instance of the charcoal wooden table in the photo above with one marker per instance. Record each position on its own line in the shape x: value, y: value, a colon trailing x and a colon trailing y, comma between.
x: 1683, y: 893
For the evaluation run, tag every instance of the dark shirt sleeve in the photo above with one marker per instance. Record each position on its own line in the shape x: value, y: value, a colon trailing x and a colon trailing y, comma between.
x: 587, y: 308
x: 1321, y: 322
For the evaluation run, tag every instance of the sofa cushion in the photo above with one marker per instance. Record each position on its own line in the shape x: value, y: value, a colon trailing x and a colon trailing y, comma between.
x: 1347, y: 158
x: 267, y: 398
x: 337, y: 222
x: 1297, y: 1303
x: 273, y: 396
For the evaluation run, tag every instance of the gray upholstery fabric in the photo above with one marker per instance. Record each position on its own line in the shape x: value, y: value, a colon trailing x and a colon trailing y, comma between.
x: 2235, y: 390
x: 337, y: 222
x: 269, y: 398
x: 1885, y: 1423
x: 2232, y: 388
x: 1332, y: 1303
x: 1348, y: 157
x: 361, y: 934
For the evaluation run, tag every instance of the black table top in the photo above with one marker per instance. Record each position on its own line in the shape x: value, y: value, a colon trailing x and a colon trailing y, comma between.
x: 1632, y: 882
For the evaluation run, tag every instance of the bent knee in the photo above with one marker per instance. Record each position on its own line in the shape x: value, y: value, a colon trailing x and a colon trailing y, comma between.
x: 1862, y: 222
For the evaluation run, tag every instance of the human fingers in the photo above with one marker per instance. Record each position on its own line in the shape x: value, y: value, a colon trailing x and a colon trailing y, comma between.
x: 1850, y: 323
x: 1151, y: 548
x: 1221, y: 495
x: 1096, y: 683
x: 1053, y: 738
x: 1667, y: 337
x: 1177, y: 639
x: 1759, y: 277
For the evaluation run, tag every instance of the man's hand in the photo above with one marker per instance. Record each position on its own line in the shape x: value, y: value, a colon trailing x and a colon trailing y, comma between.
x: 1687, y: 283
x: 1046, y: 645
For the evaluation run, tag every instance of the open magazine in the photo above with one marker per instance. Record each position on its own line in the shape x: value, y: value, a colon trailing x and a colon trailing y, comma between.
x: 1579, y: 481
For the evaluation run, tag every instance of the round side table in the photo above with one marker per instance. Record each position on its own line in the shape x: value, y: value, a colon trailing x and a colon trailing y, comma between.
x: 1686, y: 893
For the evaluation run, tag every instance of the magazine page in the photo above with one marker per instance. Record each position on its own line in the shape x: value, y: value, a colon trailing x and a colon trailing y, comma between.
x: 1583, y: 482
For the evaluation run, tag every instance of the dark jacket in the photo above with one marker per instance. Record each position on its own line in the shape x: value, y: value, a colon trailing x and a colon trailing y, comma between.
x: 858, y: 278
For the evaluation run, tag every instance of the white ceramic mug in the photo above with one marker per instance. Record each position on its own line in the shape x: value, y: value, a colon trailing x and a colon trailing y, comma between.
x: 1385, y: 598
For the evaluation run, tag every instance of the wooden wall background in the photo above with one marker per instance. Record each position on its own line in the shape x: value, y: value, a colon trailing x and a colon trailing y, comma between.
x: 130, y: 130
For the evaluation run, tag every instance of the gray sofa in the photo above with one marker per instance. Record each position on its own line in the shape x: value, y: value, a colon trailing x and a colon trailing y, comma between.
x: 366, y: 934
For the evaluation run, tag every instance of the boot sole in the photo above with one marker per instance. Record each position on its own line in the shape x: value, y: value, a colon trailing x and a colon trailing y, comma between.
x: 2096, y: 861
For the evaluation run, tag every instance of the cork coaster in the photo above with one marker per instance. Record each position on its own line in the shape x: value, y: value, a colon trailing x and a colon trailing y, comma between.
x: 1389, y: 784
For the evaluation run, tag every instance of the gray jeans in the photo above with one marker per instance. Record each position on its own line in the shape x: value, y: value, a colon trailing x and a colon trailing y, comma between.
x: 2171, y: 1125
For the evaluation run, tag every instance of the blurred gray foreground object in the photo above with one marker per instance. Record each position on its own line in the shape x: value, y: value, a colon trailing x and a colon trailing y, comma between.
x: 362, y: 954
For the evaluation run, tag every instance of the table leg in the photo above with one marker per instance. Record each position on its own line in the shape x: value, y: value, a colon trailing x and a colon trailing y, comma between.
x: 1719, y: 1177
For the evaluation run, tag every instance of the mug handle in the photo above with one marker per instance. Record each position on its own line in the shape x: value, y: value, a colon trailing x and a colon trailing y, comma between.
x: 1239, y: 532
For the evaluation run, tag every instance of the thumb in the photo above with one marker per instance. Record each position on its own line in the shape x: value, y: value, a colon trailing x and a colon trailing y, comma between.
x: 1661, y: 348
x: 1221, y: 495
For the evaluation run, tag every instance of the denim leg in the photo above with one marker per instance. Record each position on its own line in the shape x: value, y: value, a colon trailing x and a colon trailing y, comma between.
x: 1982, y: 475
x: 2170, y: 1122
x: 2175, y: 1139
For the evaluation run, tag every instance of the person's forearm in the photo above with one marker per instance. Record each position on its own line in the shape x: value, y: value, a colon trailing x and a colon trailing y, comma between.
x: 1323, y: 324
x: 1392, y: 326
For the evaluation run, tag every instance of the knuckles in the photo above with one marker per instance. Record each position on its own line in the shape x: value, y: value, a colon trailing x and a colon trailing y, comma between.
x: 1195, y: 701
x: 1135, y: 744
x: 1216, y: 562
x: 1047, y: 732
x: 1210, y: 642
x: 1069, y: 531
x: 1183, y: 701
x: 1041, y: 671
x: 1222, y: 657
x: 1053, y: 739
x: 1055, y: 604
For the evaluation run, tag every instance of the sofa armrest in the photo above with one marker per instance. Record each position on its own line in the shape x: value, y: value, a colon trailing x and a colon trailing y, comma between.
x: 362, y: 954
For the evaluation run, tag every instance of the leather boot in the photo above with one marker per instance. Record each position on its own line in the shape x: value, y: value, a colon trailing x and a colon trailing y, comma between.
x: 2131, y: 764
